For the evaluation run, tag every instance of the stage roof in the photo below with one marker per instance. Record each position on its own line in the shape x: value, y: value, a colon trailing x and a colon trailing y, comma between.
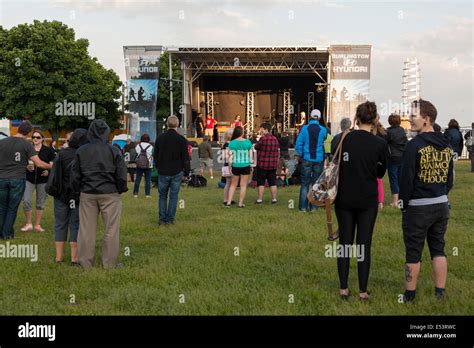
x: 253, y: 59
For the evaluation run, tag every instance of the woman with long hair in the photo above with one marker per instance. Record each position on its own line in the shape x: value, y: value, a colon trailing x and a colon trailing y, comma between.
x: 225, y: 154
x: 364, y: 159
x: 239, y: 162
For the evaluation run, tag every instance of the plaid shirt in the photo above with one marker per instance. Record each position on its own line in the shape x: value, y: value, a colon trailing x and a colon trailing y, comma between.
x: 267, y: 152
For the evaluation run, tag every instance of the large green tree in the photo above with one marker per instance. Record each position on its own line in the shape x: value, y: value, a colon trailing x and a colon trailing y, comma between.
x: 42, y: 64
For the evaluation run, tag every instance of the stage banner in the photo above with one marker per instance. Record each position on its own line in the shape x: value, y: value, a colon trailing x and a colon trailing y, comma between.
x: 350, y: 81
x: 142, y: 68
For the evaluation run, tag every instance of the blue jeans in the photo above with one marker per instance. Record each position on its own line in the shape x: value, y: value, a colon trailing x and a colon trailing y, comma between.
x: 138, y: 180
x: 65, y: 218
x: 394, y: 171
x: 310, y: 172
x: 169, y: 184
x: 11, y: 193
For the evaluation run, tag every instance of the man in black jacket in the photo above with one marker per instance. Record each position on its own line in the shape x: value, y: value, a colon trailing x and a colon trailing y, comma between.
x: 426, y: 178
x: 99, y: 173
x: 172, y: 162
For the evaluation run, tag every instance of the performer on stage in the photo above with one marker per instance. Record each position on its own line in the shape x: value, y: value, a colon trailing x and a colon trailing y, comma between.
x: 237, y: 122
x: 302, y: 121
x: 210, y: 122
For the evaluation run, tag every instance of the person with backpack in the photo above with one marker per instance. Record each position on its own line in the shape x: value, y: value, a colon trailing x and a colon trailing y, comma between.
x: 144, y: 164
x: 66, y: 201
x: 99, y: 173
x: 426, y: 179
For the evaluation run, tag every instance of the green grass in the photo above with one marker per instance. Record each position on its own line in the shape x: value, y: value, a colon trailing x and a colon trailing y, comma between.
x: 281, y: 253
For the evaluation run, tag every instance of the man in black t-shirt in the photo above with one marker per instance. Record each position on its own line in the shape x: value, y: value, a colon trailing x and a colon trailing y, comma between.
x: 15, y: 152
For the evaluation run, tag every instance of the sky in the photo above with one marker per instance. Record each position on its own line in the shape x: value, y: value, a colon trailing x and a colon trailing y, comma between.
x: 438, y: 33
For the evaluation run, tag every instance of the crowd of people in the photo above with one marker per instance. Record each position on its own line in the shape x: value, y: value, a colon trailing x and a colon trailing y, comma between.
x: 87, y: 176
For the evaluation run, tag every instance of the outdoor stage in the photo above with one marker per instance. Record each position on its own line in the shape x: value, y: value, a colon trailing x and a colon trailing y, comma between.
x: 261, y: 84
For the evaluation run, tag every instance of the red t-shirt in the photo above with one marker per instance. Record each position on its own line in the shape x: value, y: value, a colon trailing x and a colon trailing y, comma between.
x: 237, y: 123
x: 210, y: 122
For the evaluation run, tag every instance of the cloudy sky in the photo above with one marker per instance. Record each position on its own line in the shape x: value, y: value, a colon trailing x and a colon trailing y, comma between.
x: 438, y: 33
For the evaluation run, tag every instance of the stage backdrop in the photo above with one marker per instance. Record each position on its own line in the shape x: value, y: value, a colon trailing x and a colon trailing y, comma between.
x: 142, y: 72
x: 350, y: 81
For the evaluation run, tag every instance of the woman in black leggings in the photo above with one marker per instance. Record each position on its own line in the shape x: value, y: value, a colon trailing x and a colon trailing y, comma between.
x: 364, y: 159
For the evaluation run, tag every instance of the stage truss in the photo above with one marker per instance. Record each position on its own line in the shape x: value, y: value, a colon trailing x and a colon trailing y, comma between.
x: 196, y: 61
x: 249, y: 117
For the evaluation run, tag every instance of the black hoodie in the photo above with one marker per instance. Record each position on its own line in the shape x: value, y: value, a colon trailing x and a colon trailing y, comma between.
x: 427, y: 168
x: 63, y: 163
x: 98, y: 167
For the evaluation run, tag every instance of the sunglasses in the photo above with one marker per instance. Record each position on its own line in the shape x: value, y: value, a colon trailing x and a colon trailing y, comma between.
x: 36, y: 138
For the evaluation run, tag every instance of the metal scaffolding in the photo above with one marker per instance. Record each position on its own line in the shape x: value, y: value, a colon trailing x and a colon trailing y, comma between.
x: 286, y: 111
x: 210, y: 103
x: 310, y: 102
x: 249, y: 114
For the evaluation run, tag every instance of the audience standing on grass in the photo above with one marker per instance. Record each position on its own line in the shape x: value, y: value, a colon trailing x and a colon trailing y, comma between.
x: 468, y: 137
x: 240, y: 160
x: 426, y: 179
x: 144, y: 163
x: 66, y: 203
x: 224, y: 157
x: 454, y: 136
x: 99, y: 173
x: 15, y: 154
x: 206, y: 160
x: 310, y: 148
x: 130, y: 157
x: 267, y: 161
x: 344, y: 125
x: 36, y: 179
x: 172, y: 163
x: 397, y: 140
x: 379, y: 131
x: 364, y: 159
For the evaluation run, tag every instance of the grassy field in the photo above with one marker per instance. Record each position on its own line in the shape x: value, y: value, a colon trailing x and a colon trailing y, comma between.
x: 281, y: 254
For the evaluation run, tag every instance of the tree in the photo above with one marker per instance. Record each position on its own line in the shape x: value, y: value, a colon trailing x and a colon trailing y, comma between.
x: 42, y: 65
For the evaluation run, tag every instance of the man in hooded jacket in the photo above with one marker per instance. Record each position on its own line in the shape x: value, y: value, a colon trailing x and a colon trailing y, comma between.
x: 99, y: 173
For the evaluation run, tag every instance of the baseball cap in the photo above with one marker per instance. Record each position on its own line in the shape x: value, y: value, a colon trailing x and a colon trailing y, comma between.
x: 315, y: 113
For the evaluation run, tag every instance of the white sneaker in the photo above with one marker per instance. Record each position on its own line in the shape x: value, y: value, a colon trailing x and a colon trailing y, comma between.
x: 135, y: 196
x: 212, y: 177
x: 148, y: 196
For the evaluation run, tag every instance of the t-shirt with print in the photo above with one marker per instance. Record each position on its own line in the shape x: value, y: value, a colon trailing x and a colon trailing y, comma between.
x: 240, y: 152
x: 14, y: 155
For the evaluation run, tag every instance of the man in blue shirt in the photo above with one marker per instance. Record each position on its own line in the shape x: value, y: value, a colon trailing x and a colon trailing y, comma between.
x: 310, y: 148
